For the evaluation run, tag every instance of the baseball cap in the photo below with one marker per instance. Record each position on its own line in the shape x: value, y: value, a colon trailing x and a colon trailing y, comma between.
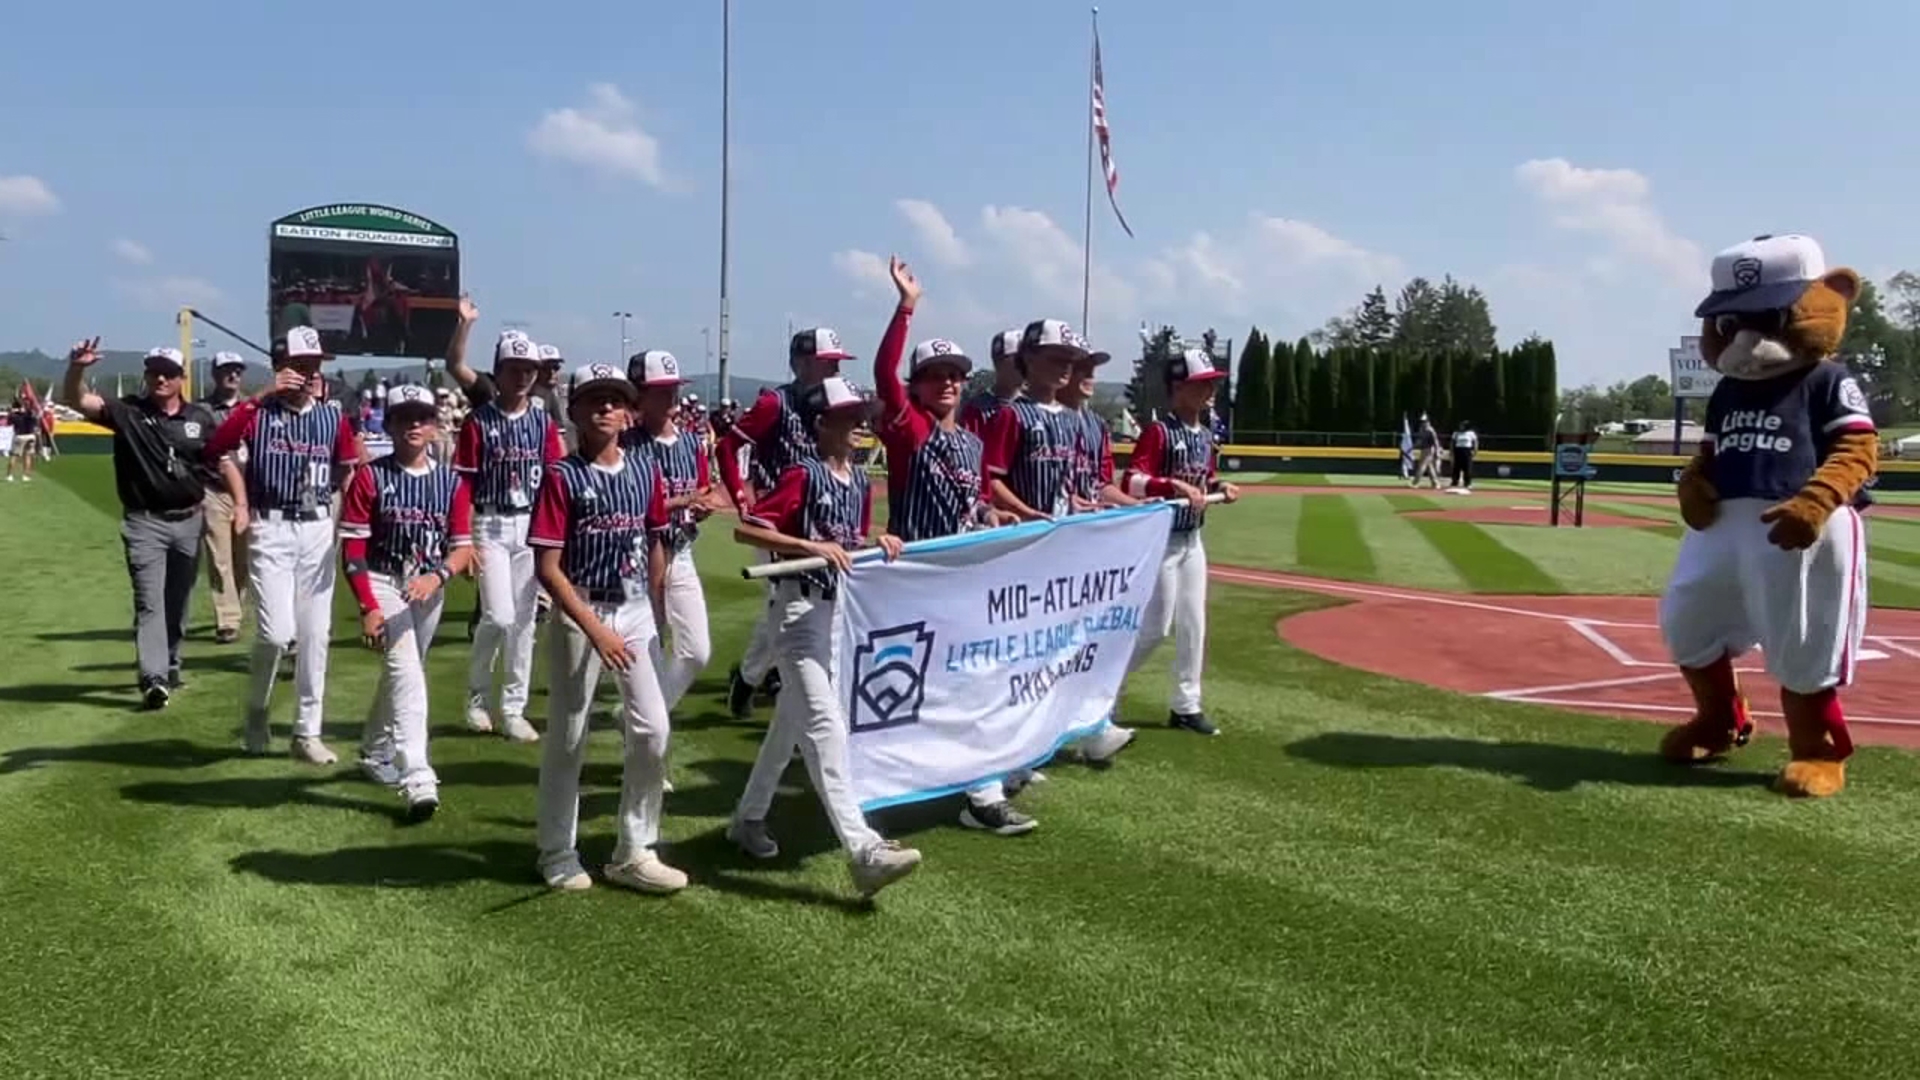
x: 1193, y: 365
x: 303, y: 343
x: 1055, y: 334
x: 410, y: 396
x: 938, y: 352
x: 833, y: 395
x: 514, y: 345
x: 227, y: 360
x: 819, y: 343
x: 1006, y: 346
x: 1765, y: 273
x: 166, y: 361
x: 655, y: 367
x: 550, y: 354
x: 589, y: 377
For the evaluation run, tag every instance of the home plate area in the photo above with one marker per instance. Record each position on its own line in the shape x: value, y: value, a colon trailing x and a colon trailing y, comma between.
x: 1596, y: 654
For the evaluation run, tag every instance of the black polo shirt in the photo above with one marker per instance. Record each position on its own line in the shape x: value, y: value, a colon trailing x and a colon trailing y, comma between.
x: 159, y: 461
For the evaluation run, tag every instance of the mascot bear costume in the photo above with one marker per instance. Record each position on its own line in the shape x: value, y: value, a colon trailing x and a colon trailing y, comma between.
x: 1775, y: 551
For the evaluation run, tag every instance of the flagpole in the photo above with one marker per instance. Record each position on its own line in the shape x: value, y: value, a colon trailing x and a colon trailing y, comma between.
x: 726, y: 179
x: 1086, y: 236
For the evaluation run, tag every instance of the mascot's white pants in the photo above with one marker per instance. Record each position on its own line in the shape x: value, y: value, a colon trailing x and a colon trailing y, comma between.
x: 1732, y: 589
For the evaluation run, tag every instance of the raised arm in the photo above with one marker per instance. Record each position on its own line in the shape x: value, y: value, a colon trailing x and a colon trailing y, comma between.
x: 457, y: 365
x: 73, y: 389
x: 886, y: 359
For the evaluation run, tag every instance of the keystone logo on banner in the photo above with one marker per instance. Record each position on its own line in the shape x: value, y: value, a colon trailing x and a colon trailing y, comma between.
x: 1691, y: 377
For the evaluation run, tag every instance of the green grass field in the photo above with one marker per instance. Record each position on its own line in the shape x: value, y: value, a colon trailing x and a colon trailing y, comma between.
x: 1360, y: 878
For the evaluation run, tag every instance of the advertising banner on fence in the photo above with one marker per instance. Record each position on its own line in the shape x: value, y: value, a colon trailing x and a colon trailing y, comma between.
x: 983, y: 653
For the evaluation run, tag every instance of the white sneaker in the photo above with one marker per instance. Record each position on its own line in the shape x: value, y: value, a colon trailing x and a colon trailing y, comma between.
x: 568, y: 876
x: 1100, y: 747
x: 478, y: 718
x: 517, y: 729
x: 754, y: 839
x: 666, y: 787
x: 881, y: 865
x: 646, y: 874
x: 309, y: 749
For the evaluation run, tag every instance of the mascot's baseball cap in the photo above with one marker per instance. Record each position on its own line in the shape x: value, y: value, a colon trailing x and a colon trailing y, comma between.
x: 224, y: 360
x: 514, y: 345
x: 590, y: 377
x: 655, y: 367
x: 1057, y: 335
x: 1193, y: 365
x: 1766, y: 273
x: 1006, y: 346
x: 409, y: 398
x: 938, y: 352
x: 819, y: 343
x: 165, y: 361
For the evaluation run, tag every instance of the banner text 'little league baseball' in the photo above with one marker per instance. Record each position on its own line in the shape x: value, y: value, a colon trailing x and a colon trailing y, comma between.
x: 1073, y: 610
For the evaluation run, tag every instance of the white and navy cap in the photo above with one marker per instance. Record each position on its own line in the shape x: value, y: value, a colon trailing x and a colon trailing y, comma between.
x: 1055, y: 334
x: 818, y: 343
x: 227, y: 360
x: 588, y: 377
x: 550, y: 354
x: 1006, y: 346
x: 1193, y: 365
x: 938, y: 352
x: 1766, y: 273
x: 832, y: 395
x: 303, y: 343
x: 168, y: 361
x: 411, y: 396
x: 514, y: 345
x: 655, y: 367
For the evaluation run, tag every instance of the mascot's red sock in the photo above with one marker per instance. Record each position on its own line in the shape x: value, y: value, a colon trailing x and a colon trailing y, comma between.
x: 1817, y: 737
x: 1720, y: 720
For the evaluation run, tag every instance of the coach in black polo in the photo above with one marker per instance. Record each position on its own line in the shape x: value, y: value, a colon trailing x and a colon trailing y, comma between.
x: 159, y: 439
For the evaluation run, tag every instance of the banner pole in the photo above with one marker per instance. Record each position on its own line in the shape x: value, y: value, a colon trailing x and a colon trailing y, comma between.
x: 762, y: 571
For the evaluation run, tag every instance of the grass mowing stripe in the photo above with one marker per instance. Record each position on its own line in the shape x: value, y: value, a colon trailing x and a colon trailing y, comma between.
x: 1483, y: 562
x: 1411, y: 503
x: 1330, y: 541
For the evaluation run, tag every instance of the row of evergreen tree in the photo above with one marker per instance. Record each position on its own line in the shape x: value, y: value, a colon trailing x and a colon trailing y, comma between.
x: 1354, y: 388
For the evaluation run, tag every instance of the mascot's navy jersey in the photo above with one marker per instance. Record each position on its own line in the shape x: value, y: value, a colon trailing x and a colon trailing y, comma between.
x: 1769, y: 435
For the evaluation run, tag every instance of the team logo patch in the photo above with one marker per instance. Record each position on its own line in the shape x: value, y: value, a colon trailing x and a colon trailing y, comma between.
x: 518, y: 348
x: 669, y: 365
x: 306, y: 339
x: 192, y: 429
x: 1852, y: 397
x: 890, y: 677
x: 1746, y: 272
x: 827, y: 341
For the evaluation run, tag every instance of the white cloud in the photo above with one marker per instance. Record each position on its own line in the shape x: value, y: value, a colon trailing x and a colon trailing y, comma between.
x: 1616, y: 205
x: 603, y: 135
x: 170, y: 292
x: 935, y: 232
x: 867, y: 271
x: 132, y: 251
x: 26, y: 196
x: 1038, y: 249
x: 1306, y: 246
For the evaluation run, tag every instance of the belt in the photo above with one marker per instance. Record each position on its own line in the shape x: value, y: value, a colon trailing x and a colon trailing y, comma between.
x: 503, y: 511
x: 277, y: 514
x: 166, y: 515
x: 613, y: 597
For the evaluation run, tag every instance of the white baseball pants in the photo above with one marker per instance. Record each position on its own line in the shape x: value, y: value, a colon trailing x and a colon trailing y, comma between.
x: 509, y: 596
x: 1178, y: 606
x: 763, y: 646
x: 291, y: 571
x: 808, y: 713
x: 686, y: 615
x: 397, y: 726
x: 574, y: 673
x: 1732, y: 589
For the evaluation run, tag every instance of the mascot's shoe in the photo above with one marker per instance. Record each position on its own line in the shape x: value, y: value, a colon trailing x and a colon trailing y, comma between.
x: 1817, y: 736
x: 1720, y: 721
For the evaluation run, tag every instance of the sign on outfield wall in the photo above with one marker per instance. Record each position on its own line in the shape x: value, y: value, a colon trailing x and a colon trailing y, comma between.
x: 1691, y: 377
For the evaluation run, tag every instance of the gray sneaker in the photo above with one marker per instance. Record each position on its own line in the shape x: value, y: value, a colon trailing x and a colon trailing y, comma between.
x: 309, y: 750
x: 566, y: 876
x: 255, y: 735
x: 881, y: 865
x: 753, y: 838
x: 1000, y: 819
x: 380, y: 772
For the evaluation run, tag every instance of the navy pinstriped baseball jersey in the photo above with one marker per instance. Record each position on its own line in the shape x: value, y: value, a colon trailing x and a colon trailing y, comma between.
x: 1041, y: 463
x: 681, y: 460
x: 504, y: 455
x: 977, y: 411
x: 411, y: 524
x: 1186, y: 454
x: 605, y: 531
x: 789, y: 443
x: 290, y: 456
x: 1090, y: 450
x: 941, y: 489
x: 809, y: 502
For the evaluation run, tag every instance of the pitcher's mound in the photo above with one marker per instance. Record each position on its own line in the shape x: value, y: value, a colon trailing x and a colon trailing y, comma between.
x: 1534, y: 515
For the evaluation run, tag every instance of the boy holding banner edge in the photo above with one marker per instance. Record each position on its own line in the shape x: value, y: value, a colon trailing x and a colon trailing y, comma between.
x: 823, y: 509
x: 1174, y: 459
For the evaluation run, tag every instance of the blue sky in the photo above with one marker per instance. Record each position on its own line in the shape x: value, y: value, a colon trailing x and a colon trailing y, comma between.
x: 1276, y: 160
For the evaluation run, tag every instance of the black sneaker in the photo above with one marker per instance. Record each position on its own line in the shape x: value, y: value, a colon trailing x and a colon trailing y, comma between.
x: 1000, y: 819
x: 153, y: 693
x: 739, y: 694
x: 1195, y: 722
x: 770, y: 686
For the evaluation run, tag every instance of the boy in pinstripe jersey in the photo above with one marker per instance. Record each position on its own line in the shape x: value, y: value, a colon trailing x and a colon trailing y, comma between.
x: 1093, y: 483
x: 598, y: 525
x: 778, y: 437
x: 1174, y: 459
x: 934, y: 484
x: 406, y: 528
x: 298, y: 452
x: 819, y: 508
x: 1007, y: 380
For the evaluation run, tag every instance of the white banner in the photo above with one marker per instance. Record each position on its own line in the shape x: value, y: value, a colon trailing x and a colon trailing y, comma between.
x: 361, y: 236
x: 983, y: 653
x: 331, y: 318
x: 1691, y: 377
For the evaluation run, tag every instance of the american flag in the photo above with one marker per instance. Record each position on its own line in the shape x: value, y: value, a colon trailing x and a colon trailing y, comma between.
x: 1100, y: 129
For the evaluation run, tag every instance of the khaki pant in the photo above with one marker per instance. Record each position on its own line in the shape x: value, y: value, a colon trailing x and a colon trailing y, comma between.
x: 226, y: 561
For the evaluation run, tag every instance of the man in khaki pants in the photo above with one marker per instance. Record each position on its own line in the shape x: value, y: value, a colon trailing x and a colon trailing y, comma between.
x: 226, y: 548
